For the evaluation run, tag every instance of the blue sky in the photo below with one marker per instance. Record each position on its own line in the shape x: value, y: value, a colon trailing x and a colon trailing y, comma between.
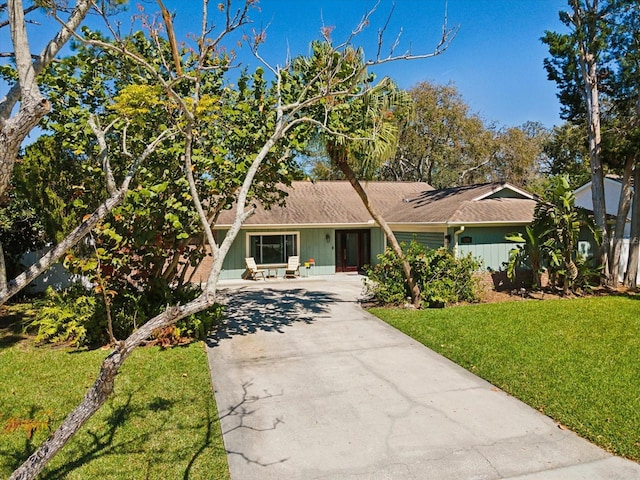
x: 495, y: 61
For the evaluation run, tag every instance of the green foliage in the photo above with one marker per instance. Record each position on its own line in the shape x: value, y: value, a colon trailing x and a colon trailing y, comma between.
x: 77, y: 317
x: 21, y: 230
x: 66, y: 318
x: 443, y: 143
x: 552, y: 239
x: 442, y: 278
x: 57, y: 184
x: 530, y: 252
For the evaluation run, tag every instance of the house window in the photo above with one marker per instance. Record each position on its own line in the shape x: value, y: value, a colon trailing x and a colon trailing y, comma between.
x: 269, y: 248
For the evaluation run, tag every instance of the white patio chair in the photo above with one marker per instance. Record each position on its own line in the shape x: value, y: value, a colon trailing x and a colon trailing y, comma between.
x: 293, y: 267
x: 253, y: 271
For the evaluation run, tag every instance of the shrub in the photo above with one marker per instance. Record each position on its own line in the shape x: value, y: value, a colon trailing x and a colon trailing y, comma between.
x: 441, y: 277
x: 77, y: 316
x: 67, y: 317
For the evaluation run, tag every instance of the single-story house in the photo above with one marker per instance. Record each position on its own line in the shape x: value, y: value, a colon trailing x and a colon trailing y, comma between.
x: 328, y: 227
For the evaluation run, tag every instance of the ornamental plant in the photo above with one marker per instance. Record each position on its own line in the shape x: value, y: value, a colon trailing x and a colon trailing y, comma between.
x: 443, y: 278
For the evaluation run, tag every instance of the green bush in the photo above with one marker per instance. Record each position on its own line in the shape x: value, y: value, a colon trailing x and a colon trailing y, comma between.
x: 66, y: 317
x: 78, y: 316
x: 441, y: 277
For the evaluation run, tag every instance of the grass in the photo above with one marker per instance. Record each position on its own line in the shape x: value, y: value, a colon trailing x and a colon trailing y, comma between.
x: 578, y: 360
x: 161, y: 422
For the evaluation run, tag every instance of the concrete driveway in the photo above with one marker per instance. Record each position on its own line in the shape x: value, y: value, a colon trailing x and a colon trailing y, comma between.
x: 309, y: 386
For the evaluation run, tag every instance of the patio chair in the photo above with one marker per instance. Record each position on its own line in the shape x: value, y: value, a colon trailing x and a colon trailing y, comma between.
x: 293, y: 267
x: 253, y: 271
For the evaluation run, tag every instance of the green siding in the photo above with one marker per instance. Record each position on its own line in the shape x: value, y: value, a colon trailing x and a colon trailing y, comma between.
x: 313, y: 244
x: 433, y: 240
x: 488, y: 245
x: 377, y: 244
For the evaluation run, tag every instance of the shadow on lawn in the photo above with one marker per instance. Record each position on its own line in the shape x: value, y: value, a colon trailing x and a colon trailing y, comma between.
x: 96, y: 444
x: 103, y: 442
x: 11, y: 328
x: 249, y: 311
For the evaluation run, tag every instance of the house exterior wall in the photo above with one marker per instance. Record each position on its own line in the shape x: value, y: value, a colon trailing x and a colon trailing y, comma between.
x: 432, y: 240
x: 313, y: 244
x: 611, y: 196
x: 488, y: 244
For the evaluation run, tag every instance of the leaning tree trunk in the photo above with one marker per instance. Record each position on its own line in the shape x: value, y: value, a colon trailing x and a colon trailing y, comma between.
x: 597, y: 177
x: 624, y: 204
x: 414, y: 289
x: 631, y: 276
x: 103, y: 386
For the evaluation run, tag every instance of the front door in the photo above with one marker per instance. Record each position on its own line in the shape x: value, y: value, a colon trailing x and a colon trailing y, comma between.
x: 353, y: 250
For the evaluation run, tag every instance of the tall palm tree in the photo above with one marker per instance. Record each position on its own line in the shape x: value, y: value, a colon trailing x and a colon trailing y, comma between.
x: 370, y: 140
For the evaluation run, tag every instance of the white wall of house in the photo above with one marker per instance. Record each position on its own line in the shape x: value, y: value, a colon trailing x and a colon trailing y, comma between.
x: 612, y: 190
x: 56, y: 276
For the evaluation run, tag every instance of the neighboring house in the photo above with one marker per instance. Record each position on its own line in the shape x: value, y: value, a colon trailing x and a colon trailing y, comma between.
x: 327, y: 223
x: 612, y: 188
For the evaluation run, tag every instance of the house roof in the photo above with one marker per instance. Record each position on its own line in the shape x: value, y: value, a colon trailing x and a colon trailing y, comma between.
x: 337, y: 203
x: 331, y: 202
x: 484, y: 203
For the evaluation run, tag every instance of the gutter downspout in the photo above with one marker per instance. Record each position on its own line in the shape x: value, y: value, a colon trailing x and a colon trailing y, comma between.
x: 455, y: 240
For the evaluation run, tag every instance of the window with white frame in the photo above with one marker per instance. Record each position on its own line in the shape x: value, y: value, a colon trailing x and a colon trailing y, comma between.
x: 268, y: 248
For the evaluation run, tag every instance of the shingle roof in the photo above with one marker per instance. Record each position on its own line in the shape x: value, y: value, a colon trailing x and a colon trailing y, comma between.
x: 336, y: 202
x: 485, y: 203
x: 331, y: 202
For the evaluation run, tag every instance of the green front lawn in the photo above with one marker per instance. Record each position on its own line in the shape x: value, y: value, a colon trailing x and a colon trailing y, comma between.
x: 162, y: 421
x: 576, y: 360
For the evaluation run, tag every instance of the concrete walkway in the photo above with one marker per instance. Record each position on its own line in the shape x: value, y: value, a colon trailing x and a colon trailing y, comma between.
x: 309, y: 386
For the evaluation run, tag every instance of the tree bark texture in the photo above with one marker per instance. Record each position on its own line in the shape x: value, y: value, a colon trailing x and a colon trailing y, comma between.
x: 631, y: 276
x: 585, y: 23
x: 624, y: 203
x: 33, y: 106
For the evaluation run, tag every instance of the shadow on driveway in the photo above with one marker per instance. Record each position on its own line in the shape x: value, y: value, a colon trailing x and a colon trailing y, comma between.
x: 270, y: 310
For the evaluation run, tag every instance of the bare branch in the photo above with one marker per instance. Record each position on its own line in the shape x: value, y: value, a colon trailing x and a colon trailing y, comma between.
x: 168, y: 21
x: 48, y: 53
x: 103, y: 155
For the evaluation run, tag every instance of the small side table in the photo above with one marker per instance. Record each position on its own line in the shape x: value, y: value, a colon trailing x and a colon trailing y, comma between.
x: 272, y: 272
x: 307, y: 266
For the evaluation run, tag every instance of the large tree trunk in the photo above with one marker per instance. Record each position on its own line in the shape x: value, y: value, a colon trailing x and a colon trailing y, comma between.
x: 33, y: 106
x: 631, y: 276
x: 587, y: 29
x: 624, y: 203
x: 414, y: 289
